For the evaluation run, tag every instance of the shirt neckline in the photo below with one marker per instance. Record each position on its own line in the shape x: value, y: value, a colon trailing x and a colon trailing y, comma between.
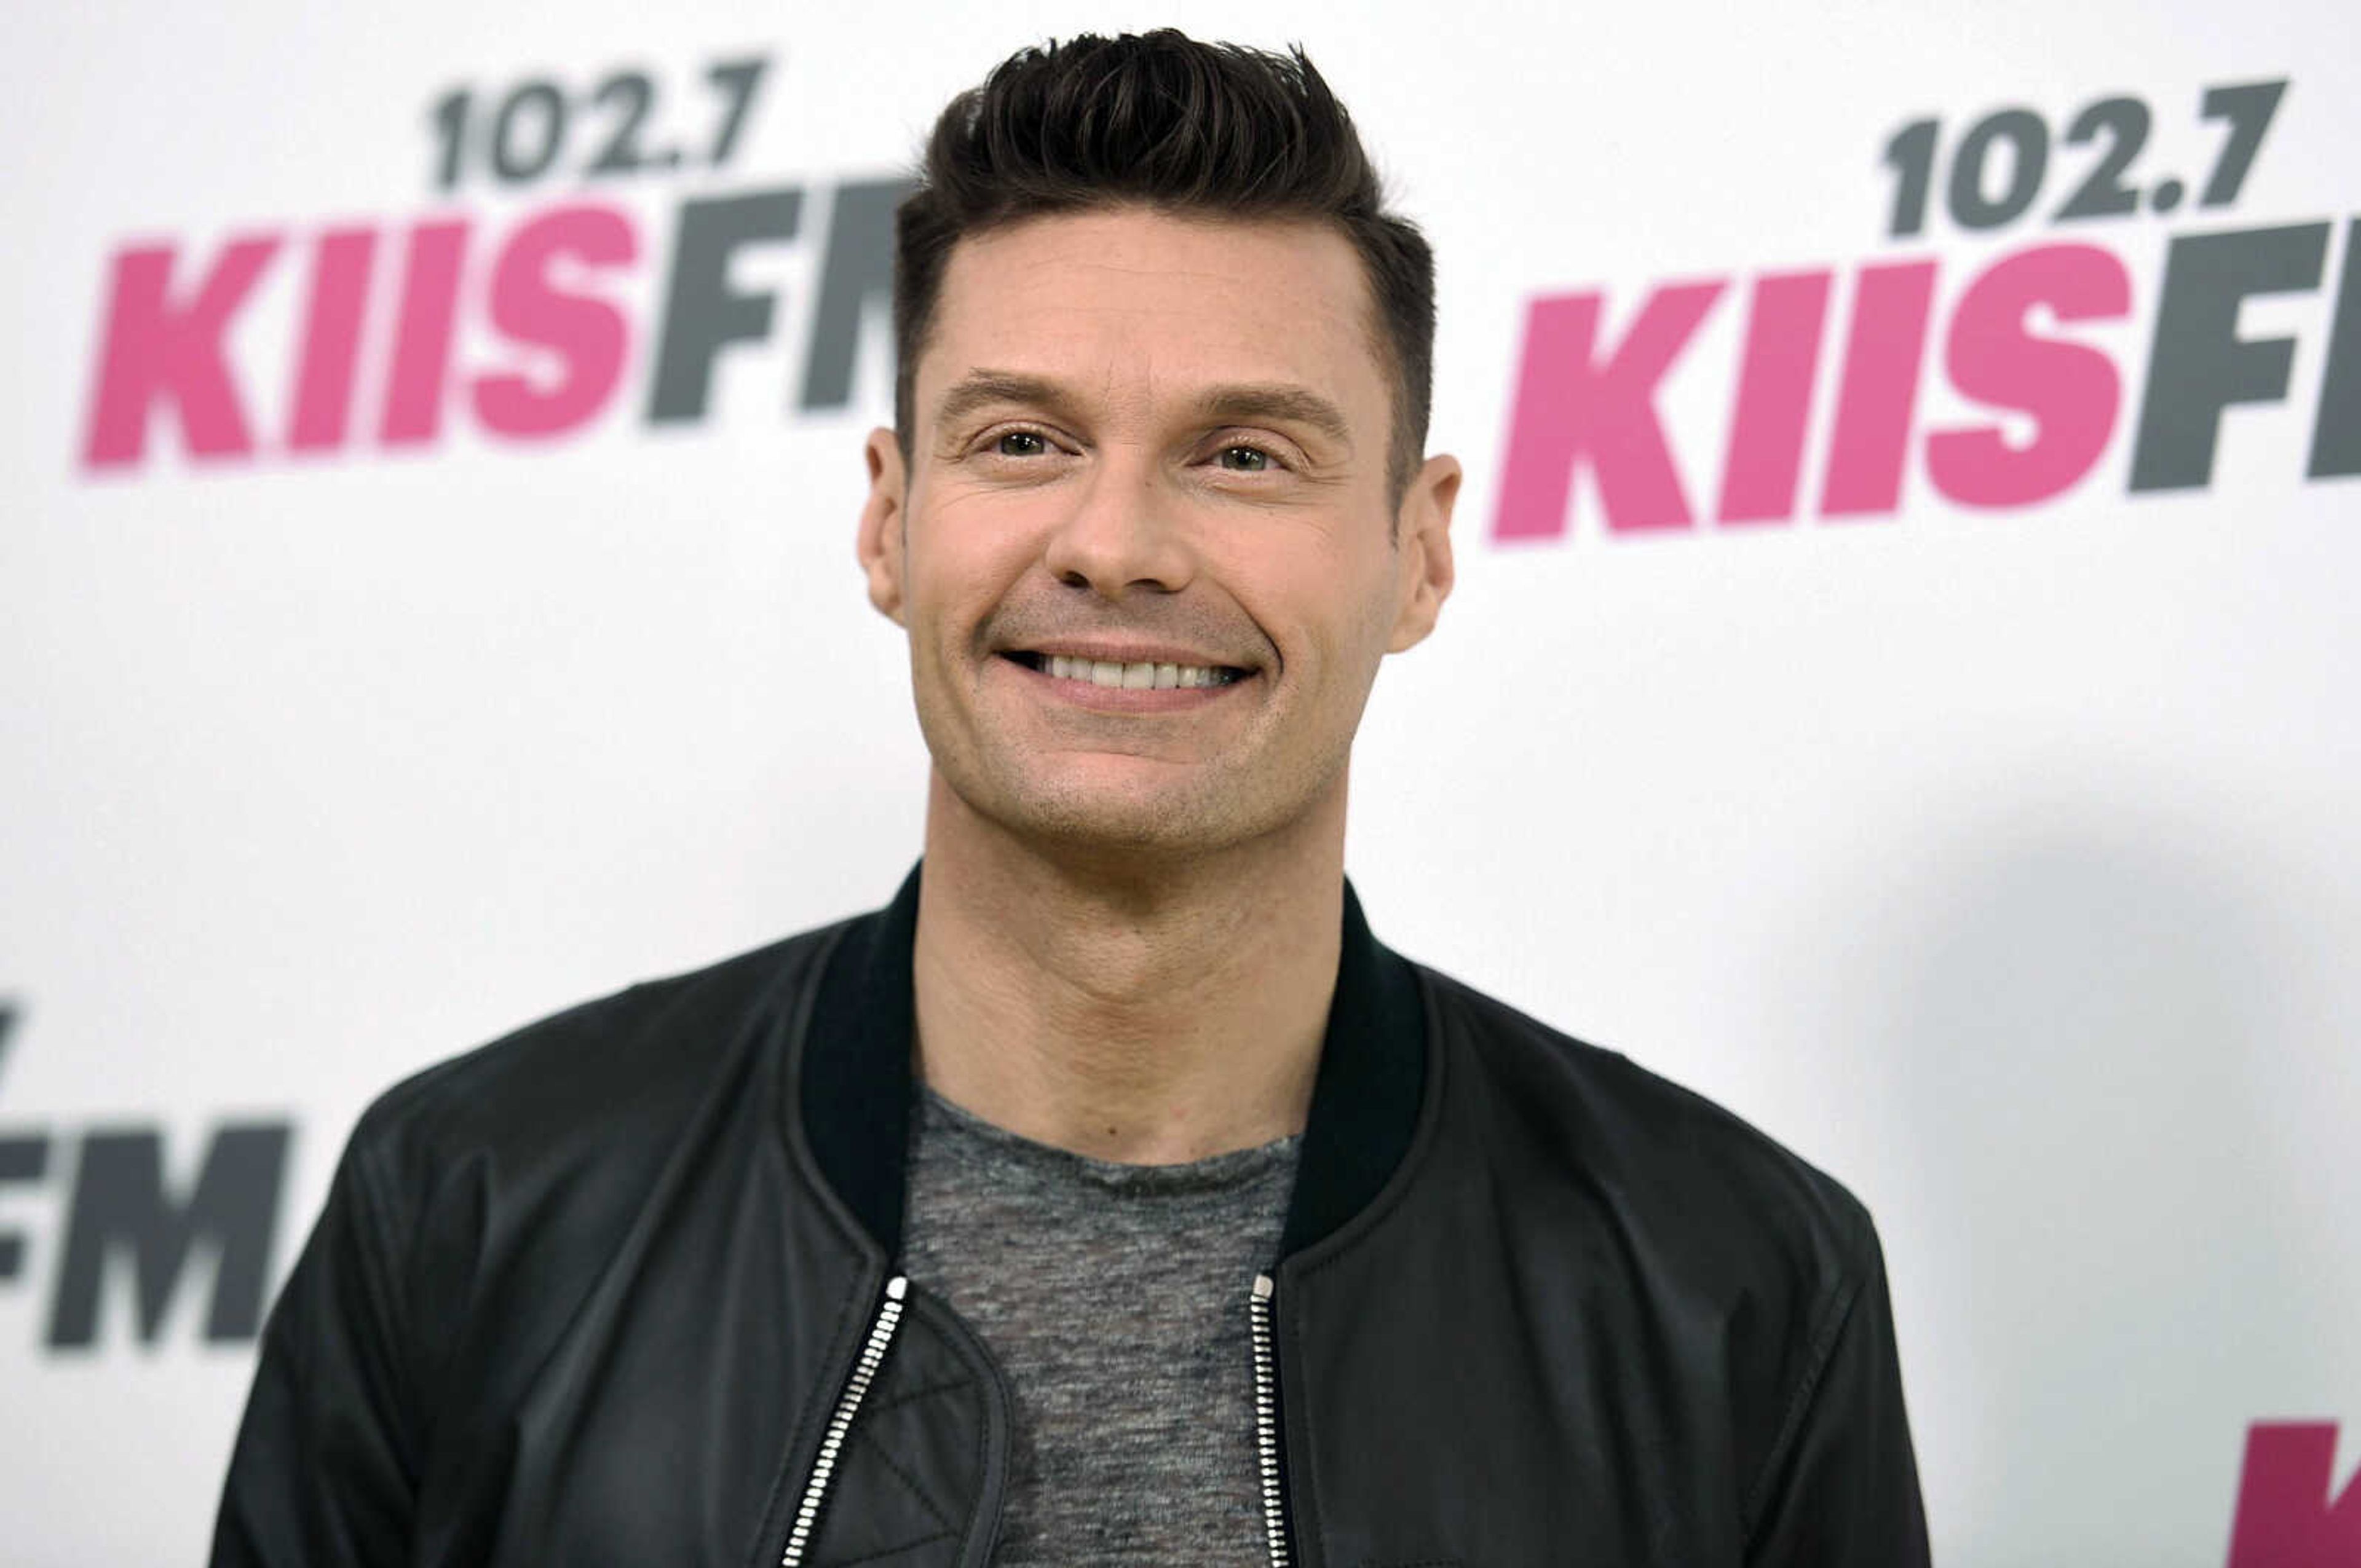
x: 1225, y: 1172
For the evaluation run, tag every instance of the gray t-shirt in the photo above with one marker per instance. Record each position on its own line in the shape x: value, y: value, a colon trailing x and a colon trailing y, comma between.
x: 1113, y: 1297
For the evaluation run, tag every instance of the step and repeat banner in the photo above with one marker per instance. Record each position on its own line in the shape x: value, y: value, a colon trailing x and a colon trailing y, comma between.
x: 1905, y: 679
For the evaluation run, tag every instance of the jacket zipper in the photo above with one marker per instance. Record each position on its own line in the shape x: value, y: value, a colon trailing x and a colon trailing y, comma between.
x: 880, y: 1339
x: 1266, y: 1393
x: 848, y: 1405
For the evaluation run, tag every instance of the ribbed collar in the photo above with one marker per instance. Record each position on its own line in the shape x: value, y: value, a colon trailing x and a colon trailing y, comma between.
x: 855, y: 1087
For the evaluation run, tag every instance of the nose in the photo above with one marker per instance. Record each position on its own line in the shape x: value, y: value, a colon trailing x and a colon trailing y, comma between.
x: 1122, y: 534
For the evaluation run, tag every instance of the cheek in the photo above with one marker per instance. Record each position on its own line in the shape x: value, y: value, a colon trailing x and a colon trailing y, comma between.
x: 1329, y: 610
x: 954, y: 576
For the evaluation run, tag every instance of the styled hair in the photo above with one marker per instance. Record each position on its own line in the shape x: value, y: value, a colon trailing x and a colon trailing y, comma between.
x: 1161, y: 120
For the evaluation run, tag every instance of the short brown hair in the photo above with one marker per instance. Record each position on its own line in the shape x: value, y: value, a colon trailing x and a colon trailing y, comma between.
x: 1167, y: 122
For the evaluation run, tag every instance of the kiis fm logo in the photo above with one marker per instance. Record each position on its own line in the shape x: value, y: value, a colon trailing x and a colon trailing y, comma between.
x: 2290, y: 1515
x: 1581, y: 405
x: 123, y: 1224
x: 544, y: 287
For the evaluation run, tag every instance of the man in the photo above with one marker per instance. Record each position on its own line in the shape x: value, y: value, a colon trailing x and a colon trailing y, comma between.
x: 1112, y: 1197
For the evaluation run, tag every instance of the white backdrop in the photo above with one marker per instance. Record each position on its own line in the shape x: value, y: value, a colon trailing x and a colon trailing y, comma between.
x: 1999, y: 859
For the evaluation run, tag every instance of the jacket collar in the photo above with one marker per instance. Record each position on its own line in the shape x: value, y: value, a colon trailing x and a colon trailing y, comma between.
x: 855, y: 1086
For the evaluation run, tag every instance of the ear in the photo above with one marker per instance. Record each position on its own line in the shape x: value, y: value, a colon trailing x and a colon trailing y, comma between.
x: 1422, y: 548
x: 880, y: 541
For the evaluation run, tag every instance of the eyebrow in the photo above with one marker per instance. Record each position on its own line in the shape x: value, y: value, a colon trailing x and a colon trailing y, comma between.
x: 984, y: 389
x: 1239, y: 402
x: 1280, y: 403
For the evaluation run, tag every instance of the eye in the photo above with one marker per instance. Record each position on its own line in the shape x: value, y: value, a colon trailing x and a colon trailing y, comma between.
x: 1245, y: 459
x: 1019, y: 443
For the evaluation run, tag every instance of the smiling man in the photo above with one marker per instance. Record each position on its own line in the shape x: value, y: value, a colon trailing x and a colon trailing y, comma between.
x: 1113, y: 1196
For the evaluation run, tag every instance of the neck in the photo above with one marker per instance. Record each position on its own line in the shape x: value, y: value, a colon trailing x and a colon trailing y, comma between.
x: 1151, y: 1015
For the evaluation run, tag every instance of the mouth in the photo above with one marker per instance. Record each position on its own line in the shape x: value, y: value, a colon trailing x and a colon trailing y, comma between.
x: 1134, y: 675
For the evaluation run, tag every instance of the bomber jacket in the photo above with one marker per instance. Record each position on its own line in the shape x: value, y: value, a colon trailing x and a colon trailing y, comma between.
x: 621, y: 1289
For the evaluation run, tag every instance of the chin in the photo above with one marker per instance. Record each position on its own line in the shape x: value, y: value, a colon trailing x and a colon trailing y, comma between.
x: 1130, y: 808
x: 1120, y: 825
x: 1128, y: 826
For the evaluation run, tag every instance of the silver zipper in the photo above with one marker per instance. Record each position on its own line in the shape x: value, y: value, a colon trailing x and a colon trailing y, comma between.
x: 1266, y: 1379
x: 848, y: 1405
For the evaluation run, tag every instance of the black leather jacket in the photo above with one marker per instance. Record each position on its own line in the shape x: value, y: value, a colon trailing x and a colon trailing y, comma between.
x: 615, y: 1290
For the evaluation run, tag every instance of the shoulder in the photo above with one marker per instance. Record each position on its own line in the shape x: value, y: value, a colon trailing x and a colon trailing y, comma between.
x: 480, y: 1200
x: 1745, y: 1285
x: 1717, y: 1203
x: 597, y: 1077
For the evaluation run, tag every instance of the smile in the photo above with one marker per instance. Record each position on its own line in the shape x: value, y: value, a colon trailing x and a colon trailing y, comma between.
x: 1129, y: 676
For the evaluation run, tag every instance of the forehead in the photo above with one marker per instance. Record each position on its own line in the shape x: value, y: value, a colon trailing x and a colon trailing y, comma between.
x: 1134, y: 301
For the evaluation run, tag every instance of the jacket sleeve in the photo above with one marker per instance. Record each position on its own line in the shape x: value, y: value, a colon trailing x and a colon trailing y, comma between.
x: 1841, y: 1490
x: 322, y: 1472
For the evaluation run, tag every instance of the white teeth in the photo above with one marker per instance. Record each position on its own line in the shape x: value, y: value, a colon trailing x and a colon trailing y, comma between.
x: 1133, y: 678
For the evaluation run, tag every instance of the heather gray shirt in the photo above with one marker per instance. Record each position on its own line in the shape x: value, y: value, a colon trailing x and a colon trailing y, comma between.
x: 1113, y: 1297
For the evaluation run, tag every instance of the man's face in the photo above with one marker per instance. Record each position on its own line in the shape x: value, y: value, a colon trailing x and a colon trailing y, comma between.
x: 1144, y: 546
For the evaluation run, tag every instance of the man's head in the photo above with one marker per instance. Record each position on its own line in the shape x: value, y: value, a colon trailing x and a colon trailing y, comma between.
x: 1154, y: 509
x: 1164, y: 121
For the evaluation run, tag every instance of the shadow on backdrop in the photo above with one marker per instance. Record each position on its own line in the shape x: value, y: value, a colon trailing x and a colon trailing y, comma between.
x: 2082, y: 1035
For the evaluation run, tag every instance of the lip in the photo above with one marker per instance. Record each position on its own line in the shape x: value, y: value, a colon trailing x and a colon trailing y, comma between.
x: 1121, y: 699
x: 1111, y: 652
